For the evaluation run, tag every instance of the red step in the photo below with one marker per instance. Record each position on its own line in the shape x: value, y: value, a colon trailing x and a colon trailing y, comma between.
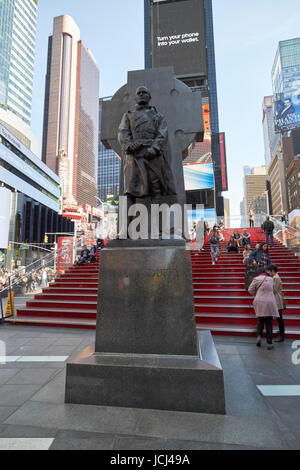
x: 221, y: 302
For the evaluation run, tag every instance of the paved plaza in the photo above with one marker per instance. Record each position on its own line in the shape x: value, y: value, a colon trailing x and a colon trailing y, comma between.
x: 33, y: 414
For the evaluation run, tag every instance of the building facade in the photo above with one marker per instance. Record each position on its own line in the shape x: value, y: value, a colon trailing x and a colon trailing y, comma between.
x: 70, y: 131
x: 286, y: 68
x: 18, y: 22
x: 30, y: 196
x: 109, y: 167
x: 271, y: 139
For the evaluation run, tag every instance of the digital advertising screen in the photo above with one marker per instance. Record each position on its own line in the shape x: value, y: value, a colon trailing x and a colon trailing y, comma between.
x: 178, y: 36
x: 287, y: 113
x: 198, y: 176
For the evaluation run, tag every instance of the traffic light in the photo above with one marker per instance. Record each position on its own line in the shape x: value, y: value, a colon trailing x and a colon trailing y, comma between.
x: 46, y: 239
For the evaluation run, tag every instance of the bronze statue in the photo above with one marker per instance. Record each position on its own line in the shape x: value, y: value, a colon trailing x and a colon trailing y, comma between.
x: 143, y: 134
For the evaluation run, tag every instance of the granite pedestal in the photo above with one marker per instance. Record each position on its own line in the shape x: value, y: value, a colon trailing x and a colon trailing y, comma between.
x: 147, y: 352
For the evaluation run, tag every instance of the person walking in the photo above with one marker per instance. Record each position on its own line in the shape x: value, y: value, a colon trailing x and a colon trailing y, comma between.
x: 251, y: 218
x: 265, y: 306
x: 44, y: 278
x: 272, y: 270
x: 214, y: 241
x: 268, y: 227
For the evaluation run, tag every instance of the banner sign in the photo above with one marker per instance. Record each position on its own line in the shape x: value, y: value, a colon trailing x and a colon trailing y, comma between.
x: 287, y: 113
x: 65, y: 253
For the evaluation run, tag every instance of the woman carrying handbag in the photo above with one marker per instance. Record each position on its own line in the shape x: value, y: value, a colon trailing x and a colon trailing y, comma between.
x: 273, y: 272
x: 265, y: 305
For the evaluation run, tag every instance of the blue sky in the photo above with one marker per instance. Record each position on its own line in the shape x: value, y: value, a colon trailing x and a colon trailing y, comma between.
x: 246, y: 37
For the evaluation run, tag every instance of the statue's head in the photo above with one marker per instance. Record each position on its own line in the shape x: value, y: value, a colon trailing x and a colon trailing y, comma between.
x: 142, y: 95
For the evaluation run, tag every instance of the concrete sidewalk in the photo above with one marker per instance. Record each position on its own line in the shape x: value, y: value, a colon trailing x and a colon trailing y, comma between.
x: 33, y: 414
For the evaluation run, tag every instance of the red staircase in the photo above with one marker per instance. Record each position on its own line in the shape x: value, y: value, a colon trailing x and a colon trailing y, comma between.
x: 221, y: 303
x: 70, y: 302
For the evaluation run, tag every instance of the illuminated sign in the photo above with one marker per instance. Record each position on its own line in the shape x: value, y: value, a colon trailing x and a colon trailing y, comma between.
x: 178, y: 36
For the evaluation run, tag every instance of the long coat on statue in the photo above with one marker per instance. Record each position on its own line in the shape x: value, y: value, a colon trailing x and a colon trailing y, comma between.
x: 147, y: 128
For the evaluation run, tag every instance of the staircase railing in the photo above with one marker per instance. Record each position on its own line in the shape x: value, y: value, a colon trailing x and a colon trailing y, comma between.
x: 287, y: 235
x: 33, y: 278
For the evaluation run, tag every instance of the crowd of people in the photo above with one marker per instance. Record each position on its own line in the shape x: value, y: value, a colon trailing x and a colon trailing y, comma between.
x: 22, y: 282
x: 262, y: 279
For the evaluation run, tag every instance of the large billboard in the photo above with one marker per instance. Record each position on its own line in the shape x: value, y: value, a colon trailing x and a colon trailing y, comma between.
x: 199, y: 176
x: 178, y: 36
x: 287, y: 113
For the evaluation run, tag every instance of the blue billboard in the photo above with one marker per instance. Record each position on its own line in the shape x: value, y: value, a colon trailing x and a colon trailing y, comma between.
x: 198, y: 176
x: 287, y: 113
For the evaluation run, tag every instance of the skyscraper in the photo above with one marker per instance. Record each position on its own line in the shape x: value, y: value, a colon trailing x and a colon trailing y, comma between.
x: 109, y: 166
x: 286, y: 68
x: 70, y: 132
x: 271, y: 139
x: 180, y: 33
x: 18, y: 21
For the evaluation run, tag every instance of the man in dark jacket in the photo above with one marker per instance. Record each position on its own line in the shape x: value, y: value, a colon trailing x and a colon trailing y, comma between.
x: 268, y: 227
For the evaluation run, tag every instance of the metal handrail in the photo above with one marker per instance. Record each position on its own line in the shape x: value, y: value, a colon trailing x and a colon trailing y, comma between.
x: 28, y: 269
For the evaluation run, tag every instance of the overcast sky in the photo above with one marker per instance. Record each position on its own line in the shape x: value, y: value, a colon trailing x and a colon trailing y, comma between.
x: 246, y: 37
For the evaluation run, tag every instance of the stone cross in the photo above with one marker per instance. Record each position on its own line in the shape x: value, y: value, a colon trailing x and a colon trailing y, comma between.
x: 181, y: 107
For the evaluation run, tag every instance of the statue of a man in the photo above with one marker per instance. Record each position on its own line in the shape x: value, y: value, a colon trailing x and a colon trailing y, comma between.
x: 143, y: 135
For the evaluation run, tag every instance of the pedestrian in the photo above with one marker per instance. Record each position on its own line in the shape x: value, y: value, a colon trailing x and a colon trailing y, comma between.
x: 272, y: 270
x: 84, y: 255
x: 245, y: 238
x: 246, y: 253
x: 207, y: 228
x: 284, y: 218
x: 222, y: 225
x: 265, y: 306
x: 251, y: 218
x: 260, y: 256
x: 232, y: 245
x: 214, y: 241
x: 237, y: 237
x: 268, y: 227
x: 44, y: 279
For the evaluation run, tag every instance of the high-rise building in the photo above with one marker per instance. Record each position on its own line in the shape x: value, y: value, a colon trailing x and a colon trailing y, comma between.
x: 255, y: 186
x: 18, y: 21
x: 271, y: 139
x: 180, y: 33
x: 71, y: 113
x: 286, y: 68
x: 109, y: 166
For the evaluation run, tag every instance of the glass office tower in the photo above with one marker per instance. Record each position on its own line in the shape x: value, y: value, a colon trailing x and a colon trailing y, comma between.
x: 109, y: 166
x: 286, y: 68
x: 18, y: 22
